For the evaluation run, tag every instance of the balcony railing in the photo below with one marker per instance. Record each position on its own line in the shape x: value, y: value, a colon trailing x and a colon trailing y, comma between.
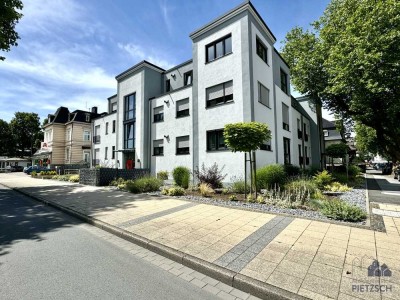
x: 96, y: 139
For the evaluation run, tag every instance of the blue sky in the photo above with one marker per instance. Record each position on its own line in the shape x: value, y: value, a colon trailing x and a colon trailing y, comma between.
x: 70, y: 51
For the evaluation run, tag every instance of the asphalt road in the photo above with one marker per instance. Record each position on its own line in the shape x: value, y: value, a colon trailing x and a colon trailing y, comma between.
x: 46, y: 254
x: 382, y: 188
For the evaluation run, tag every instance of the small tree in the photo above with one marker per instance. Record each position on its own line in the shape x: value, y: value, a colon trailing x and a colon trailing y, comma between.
x: 336, y: 151
x: 247, y: 137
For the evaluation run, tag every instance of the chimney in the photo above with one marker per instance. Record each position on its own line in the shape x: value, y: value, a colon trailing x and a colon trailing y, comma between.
x: 94, y: 110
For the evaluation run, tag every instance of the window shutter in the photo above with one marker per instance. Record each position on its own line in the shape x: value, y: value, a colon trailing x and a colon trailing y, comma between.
x: 158, y: 143
x: 215, y: 92
x: 182, y: 104
x: 158, y: 110
x: 228, y: 88
x: 183, y: 142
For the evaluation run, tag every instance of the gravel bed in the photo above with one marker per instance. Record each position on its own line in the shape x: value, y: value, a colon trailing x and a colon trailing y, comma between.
x: 357, y: 196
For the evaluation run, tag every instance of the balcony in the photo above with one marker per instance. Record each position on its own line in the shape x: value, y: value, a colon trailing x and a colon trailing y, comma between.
x: 96, y: 139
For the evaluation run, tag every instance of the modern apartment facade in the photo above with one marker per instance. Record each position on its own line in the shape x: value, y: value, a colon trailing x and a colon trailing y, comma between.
x: 168, y: 118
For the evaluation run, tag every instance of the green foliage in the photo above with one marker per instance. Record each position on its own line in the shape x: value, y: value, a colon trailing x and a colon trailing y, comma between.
x: 25, y: 128
x: 337, y: 150
x: 61, y: 177
x: 339, y: 210
x: 9, y: 16
x: 206, y: 190
x: 173, y: 191
x: 117, y: 182
x: 354, y: 171
x: 33, y: 173
x: 47, y: 173
x: 251, y: 198
x: 7, y: 141
x: 246, y: 136
x: 270, y: 176
x: 181, y: 176
x: 302, y: 184
x: 163, y: 175
x: 212, y: 175
x: 292, y: 170
x: 340, y: 177
x: 339, y: 67
x: 233, y: 198
x: 322, y: 179
x: 238, y: 186
x: 74, y: 178
x: 366, y: 139
x: 144, y: 185
x: 337, y: 187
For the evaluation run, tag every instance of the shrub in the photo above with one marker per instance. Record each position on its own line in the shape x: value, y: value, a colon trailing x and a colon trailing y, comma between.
x: 233, y: 198
x: 206, y: 190
x: 340, y: 210
x: 212, y: 175
x: 144, y: 185
x: 251, y: 198
x: 163, y: 175
x: 117, y: 182
x: 181, y: 176
x: 74, y: 178
x: 292, y: 170
x: 354, y: 171
x: 337, y: 187
x: 239, y: 187
x: 340, y: 177
x: 33, y: 173
x: 270, y: 176
x: 302, y: 184
x: 322, y: 179
x: 173, y: 191
x: 260, y: 199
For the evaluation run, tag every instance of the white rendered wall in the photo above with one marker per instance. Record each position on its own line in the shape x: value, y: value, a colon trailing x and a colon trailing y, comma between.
x: 106, y: 140
x: 281, y: 97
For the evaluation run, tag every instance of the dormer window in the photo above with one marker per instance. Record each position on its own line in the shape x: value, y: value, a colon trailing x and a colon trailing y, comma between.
x: 87, y: 118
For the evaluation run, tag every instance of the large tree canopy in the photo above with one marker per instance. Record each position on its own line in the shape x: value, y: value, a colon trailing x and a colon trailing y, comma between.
x: 9, y: 17
x: 25, y: 128
x: 7, y: 142
x: 350, y: 61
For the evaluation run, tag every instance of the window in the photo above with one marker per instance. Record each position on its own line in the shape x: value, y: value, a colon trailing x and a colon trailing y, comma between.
x: 96, y: 138
x: 106, y: 153
x: 262, y: 50
x: 68, y: 135
x: 188, y: 78
x: 47, y: 136
x: 286, y: 151
x: 284, y: 84
x: 96, y: 160
x: 113, y: 126
x: 158, y: 147
x: 113, y: 152
x: 87, y: 118
x: 114, y: 107
x: 305, y: 132
x: 182, y: 145
x: 285, y: 116
x: 219, y: 94
x: 106, y: 127
x: 130, y: 107
x: 67, y: 153
x: 158, y: 114
x: 299, y: 132
x: 168, y: 85
x: 86, y: 135
x: 306, y: 156
x: 86, y: 156
x: 219, y: 48
x: 215, y: 140
x: 266, y: 146
x: 182, y: 108
x: 326, y: 132
x: 129, y: 137
x: 263, y: 94
x: 300, y: 156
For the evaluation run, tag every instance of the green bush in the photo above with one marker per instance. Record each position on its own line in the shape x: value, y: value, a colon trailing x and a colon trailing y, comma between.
x: 144, y: 185
x: 233, y: 198
x: 173, y: 191
x: 181, y: 176
x: 340, y: 177
x: 117, y: 182
x: 292, y: 170
x: 302, y: 184
x: 337, y: 187
x: 33, y: 173
x: 270, y: 176
x: 74, y: 178
x: 354, y: 171
x: 206, y: 190
x: 239, y: 187
x: 322, y: 179
x: 163, y: 175
x: 339, y: 210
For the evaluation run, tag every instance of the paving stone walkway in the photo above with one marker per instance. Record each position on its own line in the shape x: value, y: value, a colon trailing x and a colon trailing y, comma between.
x: 318, y: 260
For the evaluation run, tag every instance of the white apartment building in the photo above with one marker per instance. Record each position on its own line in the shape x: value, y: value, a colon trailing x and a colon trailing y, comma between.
x: 169, y: 118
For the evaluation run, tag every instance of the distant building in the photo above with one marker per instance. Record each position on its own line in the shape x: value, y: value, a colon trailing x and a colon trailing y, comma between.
x: 331, y: 136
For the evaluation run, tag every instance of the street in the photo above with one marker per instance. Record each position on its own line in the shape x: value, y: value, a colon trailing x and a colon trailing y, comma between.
x: 46, y: 254
x: 382, y: 188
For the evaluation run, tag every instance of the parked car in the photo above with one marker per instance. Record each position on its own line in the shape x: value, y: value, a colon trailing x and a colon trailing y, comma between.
x: 35, y: 168
x: 387, y: 168
x: 14, y: 168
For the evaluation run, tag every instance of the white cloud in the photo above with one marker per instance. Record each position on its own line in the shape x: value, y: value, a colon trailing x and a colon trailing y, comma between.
x: 165, y: 14
x: 138, y: 53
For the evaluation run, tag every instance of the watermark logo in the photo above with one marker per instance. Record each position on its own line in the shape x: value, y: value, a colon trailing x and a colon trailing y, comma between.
x: 368, y: 269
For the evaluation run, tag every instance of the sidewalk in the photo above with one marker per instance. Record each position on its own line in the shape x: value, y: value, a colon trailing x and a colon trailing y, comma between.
x: 313, y: 259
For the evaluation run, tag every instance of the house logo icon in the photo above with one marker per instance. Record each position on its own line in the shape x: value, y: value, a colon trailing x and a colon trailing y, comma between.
x: 377, y: 270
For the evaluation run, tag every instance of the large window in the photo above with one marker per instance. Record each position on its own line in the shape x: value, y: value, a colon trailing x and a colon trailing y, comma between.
x: 188, y: 78
x: 299, y: 132
x: 266, y: 146
x: 130, y: 107
x: 305, y: 132
x: 96, y: 137
x: 215, y: 140
x: 285, y: 116
x: 263, y: 94
x: 129, y: 138
x: 219, y: 48
x: 286, y: 151
x: 158, y: 147
x: 284, y: 83
x: 86, y: 135
x: 219, y: 94
x: 262, y: 50
x: 114, y: 107
x: 182, y: 145
x: 158, y: 114
x: 182, y: 108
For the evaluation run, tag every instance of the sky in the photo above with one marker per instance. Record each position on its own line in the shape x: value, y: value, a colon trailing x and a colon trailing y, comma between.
x: 70, y: 51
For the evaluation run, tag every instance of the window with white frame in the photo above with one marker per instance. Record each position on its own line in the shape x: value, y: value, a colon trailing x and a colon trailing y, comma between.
x: 263, y: 94
x: 86, y: 135
x: 86, y: 156
x: 68, y: 134
x: 219, y: 94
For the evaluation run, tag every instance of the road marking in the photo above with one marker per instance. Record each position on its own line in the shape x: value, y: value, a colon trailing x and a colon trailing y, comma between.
x: 391, y: 193
x: 386, y: 213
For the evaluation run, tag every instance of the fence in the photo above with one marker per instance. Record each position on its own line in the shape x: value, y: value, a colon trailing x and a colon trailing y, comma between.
x: 104, y: 176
